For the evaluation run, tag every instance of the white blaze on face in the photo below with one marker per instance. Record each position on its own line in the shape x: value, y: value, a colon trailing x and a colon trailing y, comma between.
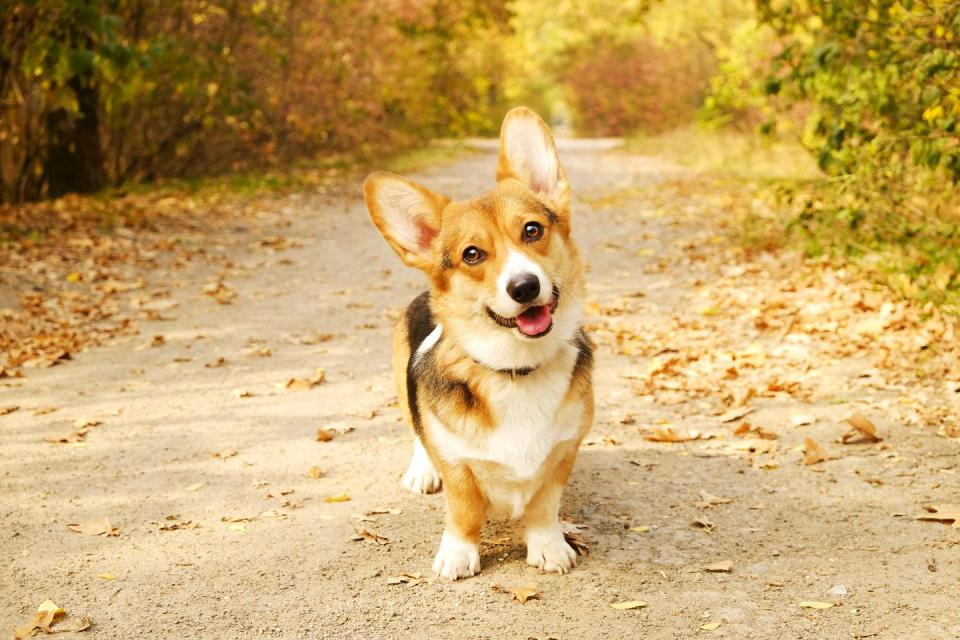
x: 517, y: 264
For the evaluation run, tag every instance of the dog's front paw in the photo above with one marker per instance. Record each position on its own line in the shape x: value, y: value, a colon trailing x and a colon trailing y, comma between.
x: 457, y: 558
x: 547, y: 550
x: 421, y: 475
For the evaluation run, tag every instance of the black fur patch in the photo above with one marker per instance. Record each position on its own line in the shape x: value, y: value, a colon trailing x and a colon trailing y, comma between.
x: 423, y: 373
x: 584, y: 353
x: 420, y: 323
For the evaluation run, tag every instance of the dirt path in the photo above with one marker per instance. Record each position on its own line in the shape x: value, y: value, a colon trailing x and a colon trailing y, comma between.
x: 686, y: 334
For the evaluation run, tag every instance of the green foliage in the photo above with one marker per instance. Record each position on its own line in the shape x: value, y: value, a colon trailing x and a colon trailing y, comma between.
x: 882, y: 80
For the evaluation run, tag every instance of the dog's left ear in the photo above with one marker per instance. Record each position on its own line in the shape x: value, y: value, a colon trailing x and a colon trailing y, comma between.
x: 528, y: 154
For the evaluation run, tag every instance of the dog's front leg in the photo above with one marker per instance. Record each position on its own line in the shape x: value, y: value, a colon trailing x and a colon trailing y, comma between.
x: 546, y: 547
x: 459, y: 554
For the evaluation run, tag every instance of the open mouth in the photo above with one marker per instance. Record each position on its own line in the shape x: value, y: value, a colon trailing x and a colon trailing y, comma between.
x: 533, y: 322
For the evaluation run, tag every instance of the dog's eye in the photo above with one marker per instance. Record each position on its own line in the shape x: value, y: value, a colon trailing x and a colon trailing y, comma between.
x: 472, y: 255
x: 532, y: 231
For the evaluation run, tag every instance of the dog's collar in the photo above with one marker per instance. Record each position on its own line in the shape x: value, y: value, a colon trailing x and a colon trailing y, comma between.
x: 513, y: 373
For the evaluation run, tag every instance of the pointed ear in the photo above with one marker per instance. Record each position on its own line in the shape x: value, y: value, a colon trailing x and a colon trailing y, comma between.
x: 528, y: 154
x: 406, y: 213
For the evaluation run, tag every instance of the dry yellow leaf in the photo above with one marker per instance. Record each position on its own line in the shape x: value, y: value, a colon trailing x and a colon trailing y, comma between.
x: 709, y: 626
x: 5, y: 410
x: 640, y: 529
x: 369, y: 536
x: 813, y: 452
x: 47, y: 614
x: 863, y: 427
x: 669, y: 435
x: 106, y: 576
x: 196, y: 487
x: 708, y: 500
x: 630, y: 604
x: 520, y: 593
x: 340, y: 497
x: 96, y: 527
x: 302, y: 384
x: 941, y: 513
x: 813, y: 604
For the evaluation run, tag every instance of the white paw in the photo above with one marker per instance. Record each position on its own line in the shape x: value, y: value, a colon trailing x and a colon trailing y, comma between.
x: 547, y: 550
x: 456, y: 558
x: 421, y: 475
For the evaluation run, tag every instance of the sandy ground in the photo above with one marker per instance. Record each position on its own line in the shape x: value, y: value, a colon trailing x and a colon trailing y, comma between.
x: 840, y: 532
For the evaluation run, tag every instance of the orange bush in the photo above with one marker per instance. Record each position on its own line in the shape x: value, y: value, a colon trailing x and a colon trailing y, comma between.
x: 619, y: 89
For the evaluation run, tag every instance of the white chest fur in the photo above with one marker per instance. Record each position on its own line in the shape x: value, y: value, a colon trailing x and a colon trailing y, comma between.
x: 531, y: 421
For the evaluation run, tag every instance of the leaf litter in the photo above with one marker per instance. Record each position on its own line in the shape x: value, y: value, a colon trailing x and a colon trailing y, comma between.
x: 520, y: 593
x: 47, y: 615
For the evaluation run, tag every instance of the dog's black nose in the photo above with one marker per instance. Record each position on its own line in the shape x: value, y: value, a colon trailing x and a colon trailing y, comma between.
x: 524, y: 287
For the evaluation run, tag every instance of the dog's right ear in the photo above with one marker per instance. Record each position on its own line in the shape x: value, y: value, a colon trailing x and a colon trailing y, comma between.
x: 406, y: 213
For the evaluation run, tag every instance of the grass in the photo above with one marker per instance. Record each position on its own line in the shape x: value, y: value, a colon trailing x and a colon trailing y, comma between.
x: 903, y: 233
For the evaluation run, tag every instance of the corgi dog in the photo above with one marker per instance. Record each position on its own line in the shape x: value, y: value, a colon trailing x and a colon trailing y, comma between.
x: 492, y: 367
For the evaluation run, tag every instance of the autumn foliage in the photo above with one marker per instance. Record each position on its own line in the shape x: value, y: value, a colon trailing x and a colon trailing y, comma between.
x: 98, y: 92
x: 619, y: 89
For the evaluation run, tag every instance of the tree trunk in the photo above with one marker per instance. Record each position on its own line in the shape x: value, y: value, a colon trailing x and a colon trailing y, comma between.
x: 74, y: 160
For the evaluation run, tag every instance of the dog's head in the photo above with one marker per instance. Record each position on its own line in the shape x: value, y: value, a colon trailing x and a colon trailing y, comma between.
x: 507, y: 278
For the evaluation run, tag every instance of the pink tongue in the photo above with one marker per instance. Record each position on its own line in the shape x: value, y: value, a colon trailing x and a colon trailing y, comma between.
x: 534, y: 320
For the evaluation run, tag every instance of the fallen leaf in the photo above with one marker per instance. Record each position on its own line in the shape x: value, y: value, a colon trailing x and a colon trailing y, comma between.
x: 68, y: 438
x: 640, y: 529
x: 325, y: 435
x: 708, y: 500
x: 302, y: 384
x: 220, y: 292
x: 236, y: 518
x: 669, y: 435
x: 42, y: 411
x: 736, y: 414
x: 106, y: 576
x: 724, y: 566
x: 702, y: 523
x: 47, y: 615
x: 96, y: 527
x: 571, y: 533
x: 369, y: 536
x: 863, y: 427
x: 813, y: 452
x: 196, y: 487
x: 10, y: 409
x: 709, y: 626
x: 173, y: 523
x: 813, y: 604
x: 520, y: 593
x: 630, y: 604
x: 340, y: 497
x: 746, y: 430
x: 945, y: 513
